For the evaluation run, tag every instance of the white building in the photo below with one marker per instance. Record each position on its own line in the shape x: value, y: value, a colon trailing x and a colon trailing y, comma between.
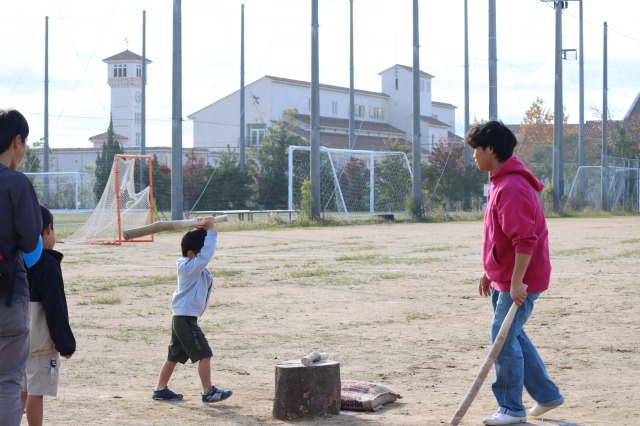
x: 379, y: 116
x: 125, y: 79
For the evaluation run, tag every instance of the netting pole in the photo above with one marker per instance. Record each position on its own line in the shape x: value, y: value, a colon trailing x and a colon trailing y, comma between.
x: 335, y: 177
x: 117, y: 183
x: 371, y: 182
x: 290, y: 185
x: 152, y: 203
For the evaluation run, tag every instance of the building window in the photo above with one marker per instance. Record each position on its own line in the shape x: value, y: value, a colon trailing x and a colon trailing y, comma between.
x: 334, y: 108
x: 138, y: 118
x: 376, y: 112
x: 422, y: 84
x: 138, y: 71
x: 359, y: 110
x: 256, y: 132
x: 396, y: 83
x: 138, y: 139
x: 119, y: 70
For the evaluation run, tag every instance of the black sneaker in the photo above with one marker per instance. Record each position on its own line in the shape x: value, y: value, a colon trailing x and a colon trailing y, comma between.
x: 166, y: 394
x: 216, y: 394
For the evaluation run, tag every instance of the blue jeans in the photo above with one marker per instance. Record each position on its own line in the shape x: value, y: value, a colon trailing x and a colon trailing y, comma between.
x: 14, y: 351
x: 518, y: 365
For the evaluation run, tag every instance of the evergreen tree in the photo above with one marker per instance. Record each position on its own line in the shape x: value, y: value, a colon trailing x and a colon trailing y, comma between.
x: 161, y: 175
x: 229, y: 188
x: 104, y: 162
x: 272, y: 157
x: 31, y: 161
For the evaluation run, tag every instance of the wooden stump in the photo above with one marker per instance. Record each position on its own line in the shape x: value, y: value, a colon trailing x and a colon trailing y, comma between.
x: 306, y: 391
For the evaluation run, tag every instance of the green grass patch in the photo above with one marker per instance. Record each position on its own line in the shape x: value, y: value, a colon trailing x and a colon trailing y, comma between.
x: 223, y: 272
x: 574, y: 252
x: 378, y: 260
x: 306, y: 273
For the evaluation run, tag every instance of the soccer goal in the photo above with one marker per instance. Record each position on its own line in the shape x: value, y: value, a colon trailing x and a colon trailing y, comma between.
x: 64, y: 190
x: 353, y: 181
x: 120, y: 206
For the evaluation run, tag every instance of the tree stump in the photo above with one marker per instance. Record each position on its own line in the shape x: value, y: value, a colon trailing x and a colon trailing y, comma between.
x: 306, y: 391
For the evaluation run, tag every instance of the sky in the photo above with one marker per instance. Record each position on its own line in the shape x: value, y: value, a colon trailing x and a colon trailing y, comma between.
x: 278, y: 43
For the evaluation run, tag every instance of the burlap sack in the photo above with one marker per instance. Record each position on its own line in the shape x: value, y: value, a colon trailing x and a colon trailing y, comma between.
x: 357, y: 395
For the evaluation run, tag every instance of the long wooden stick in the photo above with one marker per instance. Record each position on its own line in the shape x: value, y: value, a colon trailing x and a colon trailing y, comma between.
x: 486, y: 366
x: 167, y: 225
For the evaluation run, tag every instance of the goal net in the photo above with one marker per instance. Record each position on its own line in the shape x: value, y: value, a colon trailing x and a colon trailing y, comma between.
x: 353, y: 181
x: 120, y: 206
x: 64, y: 190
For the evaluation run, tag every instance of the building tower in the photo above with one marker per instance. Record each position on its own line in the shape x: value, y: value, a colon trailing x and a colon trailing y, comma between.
x: 125, y: 80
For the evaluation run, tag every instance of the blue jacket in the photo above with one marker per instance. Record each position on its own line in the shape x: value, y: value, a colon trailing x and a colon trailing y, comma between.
x: 195, y: 282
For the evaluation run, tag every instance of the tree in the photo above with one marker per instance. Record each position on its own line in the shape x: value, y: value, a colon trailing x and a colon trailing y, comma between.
x: 195, y: 178
x: 31, y: 161
x: 271, y: 169
x: 536, y: 128
x: 448, y: 180
x: 161, y: 175
x: 229, y: 187
x: 104, y: 162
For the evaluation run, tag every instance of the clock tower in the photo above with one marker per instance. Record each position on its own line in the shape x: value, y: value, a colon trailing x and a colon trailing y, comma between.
x: 125, y: 80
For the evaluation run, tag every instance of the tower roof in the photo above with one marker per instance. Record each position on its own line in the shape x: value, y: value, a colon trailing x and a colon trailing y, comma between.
x: 126, y: 56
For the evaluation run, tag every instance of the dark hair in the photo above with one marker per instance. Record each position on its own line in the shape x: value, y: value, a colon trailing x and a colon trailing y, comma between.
x: 493, y: 134
x: 12, y: 124
x: 193, y: 240
x: 47, y: 218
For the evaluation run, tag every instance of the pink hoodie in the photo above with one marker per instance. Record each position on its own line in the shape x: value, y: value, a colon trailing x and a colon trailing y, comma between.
x: 514, y: 222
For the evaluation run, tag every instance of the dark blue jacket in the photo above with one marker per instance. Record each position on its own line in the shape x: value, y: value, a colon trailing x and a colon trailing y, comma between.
x: 47, y: 287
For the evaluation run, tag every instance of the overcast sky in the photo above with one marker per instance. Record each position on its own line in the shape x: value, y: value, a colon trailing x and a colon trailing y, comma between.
x: 278, y: 42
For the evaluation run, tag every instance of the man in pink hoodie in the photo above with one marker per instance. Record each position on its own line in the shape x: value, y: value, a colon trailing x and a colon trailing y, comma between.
x: 515, y: 258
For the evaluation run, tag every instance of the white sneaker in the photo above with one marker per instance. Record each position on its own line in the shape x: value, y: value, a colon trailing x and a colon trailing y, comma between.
x: 503, y: 419
x: 538, y: 410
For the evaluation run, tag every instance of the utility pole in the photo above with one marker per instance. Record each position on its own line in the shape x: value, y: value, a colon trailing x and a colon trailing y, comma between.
x: 581, y: 152
x: 467, y: 148
x: 558, y: 181
x: 605, y: 128
x: 417, y: 162
x: 45, y: 151
x: 242, y: 116
x: 176, y: 116
x: 143, y: 98
x: 352, y: 131
x: 493, y: 63
x: 315, y: 114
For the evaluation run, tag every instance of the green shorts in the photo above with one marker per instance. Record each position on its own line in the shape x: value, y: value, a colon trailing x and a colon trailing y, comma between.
x: 187, y: 341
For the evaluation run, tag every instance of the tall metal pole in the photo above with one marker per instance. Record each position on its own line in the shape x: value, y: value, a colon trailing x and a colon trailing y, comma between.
x: 176, y: 116
x: 581, y: 107
x: 242, y: 116
x: 493, y: 63
x: 467, y: 148
x: 558, y: 181
x: 352, y: 130
x: 45, y: 153
x: 143, y: 105
x: 315, y: 113
x: 605, y: 128
x: 417, y: 161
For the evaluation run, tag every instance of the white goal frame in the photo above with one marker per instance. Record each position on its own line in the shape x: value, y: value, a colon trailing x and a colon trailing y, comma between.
x: 372, y: 156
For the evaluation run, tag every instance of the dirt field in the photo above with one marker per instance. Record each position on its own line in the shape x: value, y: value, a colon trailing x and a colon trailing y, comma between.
x: 395, y: 304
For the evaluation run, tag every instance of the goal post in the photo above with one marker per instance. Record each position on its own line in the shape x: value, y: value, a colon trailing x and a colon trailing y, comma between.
x: 63, y: 190
x: 120, y: 206
x: 353, y: 181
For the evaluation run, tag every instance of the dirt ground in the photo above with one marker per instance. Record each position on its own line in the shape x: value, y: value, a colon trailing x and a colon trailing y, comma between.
x: 395, y: 304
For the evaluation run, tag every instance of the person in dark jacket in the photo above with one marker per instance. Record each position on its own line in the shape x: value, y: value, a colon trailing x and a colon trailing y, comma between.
x: 20, y: 229
x: 51, y: 334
